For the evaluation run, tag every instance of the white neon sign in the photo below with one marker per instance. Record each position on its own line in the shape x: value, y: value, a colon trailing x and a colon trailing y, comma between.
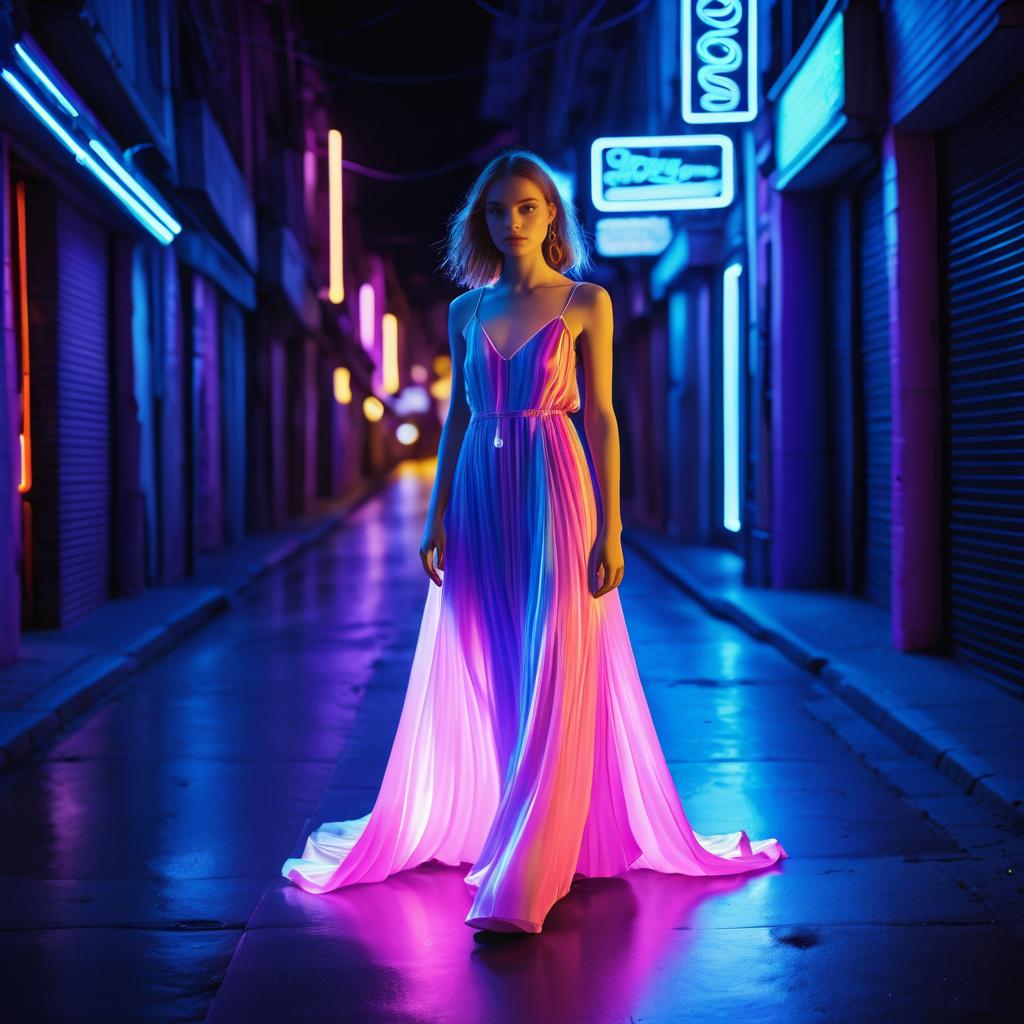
x: 632, y: 236
x: 661, y: 172
x: 719, y: 48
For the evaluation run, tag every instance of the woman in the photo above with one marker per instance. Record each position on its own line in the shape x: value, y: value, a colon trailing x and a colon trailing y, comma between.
x: 525, y: 745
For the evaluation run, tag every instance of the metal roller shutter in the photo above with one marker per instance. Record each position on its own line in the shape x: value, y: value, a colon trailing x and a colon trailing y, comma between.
x: 876, y: 401
x: 982, y: 168
x: 83, y: 388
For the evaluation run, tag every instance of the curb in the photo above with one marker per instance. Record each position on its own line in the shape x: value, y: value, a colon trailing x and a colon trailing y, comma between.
x: 66, y: 697
x: 913, y: 730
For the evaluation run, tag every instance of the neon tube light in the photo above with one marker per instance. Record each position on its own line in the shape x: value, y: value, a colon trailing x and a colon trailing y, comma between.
x: 731, y: 397
x: 389, y: 355
x: 166, y: 219
x: 25, y: 438
x: 367, y: 315
x: 44, y: 79
x: 336, y: 291
x: 141, y: 213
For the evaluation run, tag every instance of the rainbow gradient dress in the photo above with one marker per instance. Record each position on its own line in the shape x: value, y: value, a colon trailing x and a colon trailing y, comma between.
x: 525, y: 746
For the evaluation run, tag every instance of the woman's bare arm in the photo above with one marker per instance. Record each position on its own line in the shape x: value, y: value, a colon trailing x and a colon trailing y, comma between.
x: 452, y: 434
x: 602, y: 432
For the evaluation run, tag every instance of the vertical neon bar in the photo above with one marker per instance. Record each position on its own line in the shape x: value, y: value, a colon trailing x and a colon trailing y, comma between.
x: 25, y: 483
x: 731, y: 397
x: 367, y: 315
x: 337, y: 285
x: 389, y: 353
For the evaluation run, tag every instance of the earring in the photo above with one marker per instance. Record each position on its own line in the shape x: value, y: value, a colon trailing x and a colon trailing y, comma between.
x: 553, y: 246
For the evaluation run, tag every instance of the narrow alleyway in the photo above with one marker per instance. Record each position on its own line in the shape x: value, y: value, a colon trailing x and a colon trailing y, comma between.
x: 151, y: 836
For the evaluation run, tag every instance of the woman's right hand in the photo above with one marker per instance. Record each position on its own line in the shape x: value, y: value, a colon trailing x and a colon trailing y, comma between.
x: 433, y: 539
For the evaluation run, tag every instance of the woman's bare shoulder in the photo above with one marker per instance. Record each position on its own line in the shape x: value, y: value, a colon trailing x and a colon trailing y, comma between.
x: 460, y: 309
x: 594, y: 300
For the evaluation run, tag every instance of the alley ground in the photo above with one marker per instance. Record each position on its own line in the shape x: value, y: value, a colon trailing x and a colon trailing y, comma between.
x: 142, y: 849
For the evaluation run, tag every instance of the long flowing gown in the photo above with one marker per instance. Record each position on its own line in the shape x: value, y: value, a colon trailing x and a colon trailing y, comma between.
x: 525, y: 745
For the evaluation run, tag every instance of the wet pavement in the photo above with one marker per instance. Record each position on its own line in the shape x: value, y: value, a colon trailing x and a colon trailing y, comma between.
x: 139, y: 871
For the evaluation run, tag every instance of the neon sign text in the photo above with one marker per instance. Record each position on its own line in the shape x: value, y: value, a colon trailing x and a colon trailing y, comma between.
x: 661, y: 172
x: 719, y: 48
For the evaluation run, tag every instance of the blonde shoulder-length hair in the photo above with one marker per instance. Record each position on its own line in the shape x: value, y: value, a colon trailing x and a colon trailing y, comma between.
x: 471, y: 258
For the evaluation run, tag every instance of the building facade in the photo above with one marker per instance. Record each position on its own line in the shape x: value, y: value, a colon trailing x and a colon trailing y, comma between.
x: 824, y: 374
x: 169, y: 345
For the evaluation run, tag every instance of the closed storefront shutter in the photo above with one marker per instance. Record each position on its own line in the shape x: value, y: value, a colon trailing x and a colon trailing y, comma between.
x: 83, y: 387
x: 875, y: 390
x: 982, y: 175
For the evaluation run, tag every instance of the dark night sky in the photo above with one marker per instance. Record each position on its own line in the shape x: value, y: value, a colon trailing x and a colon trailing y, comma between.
x: 407, y: 129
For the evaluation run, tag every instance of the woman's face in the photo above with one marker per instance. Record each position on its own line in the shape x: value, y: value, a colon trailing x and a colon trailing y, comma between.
x: 517, y: 215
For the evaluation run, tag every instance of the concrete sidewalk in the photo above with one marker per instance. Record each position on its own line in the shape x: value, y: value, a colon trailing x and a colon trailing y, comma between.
x: 63, y: 672
x: 967, y: 728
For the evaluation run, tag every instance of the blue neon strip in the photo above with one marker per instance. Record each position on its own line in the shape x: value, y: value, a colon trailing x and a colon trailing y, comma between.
x: 44, y: 79
x: 141, y: 213
x: 731, y: 397
x: 139, y: 191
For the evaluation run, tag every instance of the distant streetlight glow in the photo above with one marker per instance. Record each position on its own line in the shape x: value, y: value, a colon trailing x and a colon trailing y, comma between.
x: 407, y: 433
x: 373, y: 408
x: 342, y: 385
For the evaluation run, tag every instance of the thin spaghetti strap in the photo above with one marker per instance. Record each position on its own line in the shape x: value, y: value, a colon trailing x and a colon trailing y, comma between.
x: 568, y: 300
x: 479, y: 299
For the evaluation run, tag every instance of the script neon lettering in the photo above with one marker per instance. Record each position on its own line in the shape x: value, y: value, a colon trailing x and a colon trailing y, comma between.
x: 629, y: 168
x: 721, y: 53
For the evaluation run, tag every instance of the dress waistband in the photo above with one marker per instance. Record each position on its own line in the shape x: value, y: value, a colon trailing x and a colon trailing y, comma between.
x: 500, y: 414
x: 517, y: 412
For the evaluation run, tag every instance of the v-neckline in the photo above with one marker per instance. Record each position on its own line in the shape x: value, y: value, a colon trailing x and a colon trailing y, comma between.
x: 516, y: 351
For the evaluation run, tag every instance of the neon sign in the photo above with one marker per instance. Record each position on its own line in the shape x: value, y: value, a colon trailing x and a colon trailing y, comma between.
x: 810, y: 109
x: 632, y: 236
x: 661, y: 172
x: 719, y: 48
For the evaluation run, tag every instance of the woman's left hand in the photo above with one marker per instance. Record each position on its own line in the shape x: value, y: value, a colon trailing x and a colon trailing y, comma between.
x: 606, y: 557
